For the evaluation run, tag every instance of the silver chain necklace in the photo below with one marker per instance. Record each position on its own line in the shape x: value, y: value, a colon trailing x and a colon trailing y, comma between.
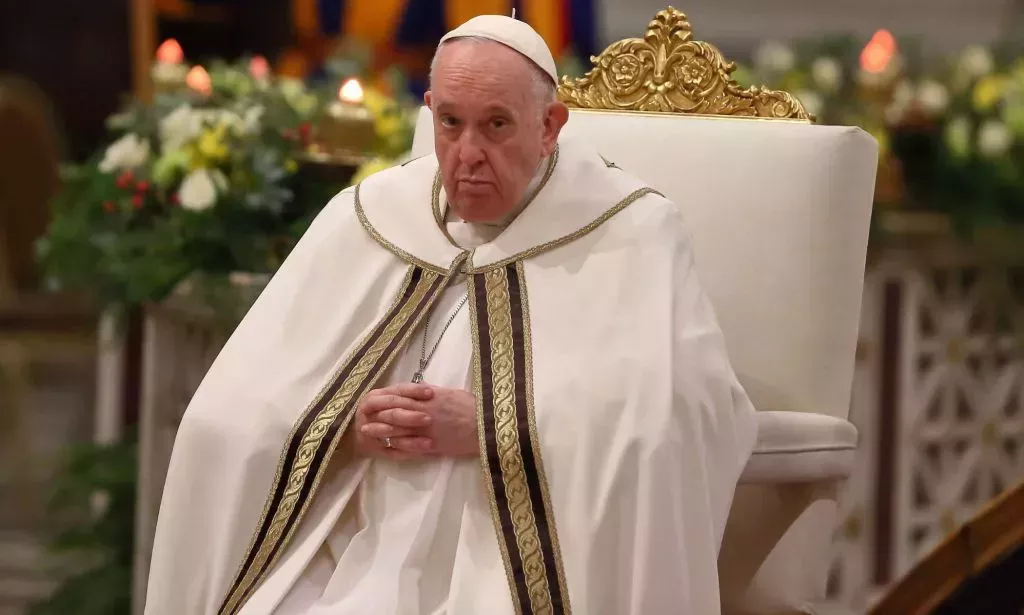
x: 424, y: 356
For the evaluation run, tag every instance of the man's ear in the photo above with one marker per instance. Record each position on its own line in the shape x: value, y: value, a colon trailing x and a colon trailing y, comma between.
x: 427, y: 98
x: 555, y: 117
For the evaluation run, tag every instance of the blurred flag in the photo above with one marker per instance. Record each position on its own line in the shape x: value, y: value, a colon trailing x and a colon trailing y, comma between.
x: 568, y: 26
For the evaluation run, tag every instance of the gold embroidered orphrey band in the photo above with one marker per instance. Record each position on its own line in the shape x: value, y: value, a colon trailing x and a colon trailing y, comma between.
x: 316, y: 435
x: 510, y: 447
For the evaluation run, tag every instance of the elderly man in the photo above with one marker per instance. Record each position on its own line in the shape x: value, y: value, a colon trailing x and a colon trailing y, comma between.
x: 484, y: 383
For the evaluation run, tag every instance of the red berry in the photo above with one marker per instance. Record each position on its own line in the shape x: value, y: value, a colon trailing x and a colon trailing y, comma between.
x: 124, y: 180
x: 304, y: 129
x: 109, y: 207
x: 142, y: 186
x: 137, y: 201
x: 173, y: 199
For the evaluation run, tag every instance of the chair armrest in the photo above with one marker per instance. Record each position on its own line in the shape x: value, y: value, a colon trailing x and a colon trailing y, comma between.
x: 800, y: 447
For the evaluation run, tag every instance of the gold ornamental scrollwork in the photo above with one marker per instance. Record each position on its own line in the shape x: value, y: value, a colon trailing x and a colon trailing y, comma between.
x: 667, y: 71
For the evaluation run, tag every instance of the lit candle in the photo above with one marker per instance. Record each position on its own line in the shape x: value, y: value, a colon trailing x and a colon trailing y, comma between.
x: 880, y: 61
x: 879, y: 52
x: 348, y: 125
x: 170, y: 52
x: 169, y: 70
x: 198, y: 80
x: 259, y: 68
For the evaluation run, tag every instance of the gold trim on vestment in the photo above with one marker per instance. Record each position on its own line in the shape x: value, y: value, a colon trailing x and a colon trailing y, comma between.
x: 399, y: 252
x: 478, y: 310
x: 555, y: 243
x: 542, y: 477
x: 279, y: 472
x: 510, y: 447
x: 438, y: 213
x: 292, y: 493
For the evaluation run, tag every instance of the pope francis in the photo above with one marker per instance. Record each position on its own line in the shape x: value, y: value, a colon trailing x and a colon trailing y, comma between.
x: 485, y: 382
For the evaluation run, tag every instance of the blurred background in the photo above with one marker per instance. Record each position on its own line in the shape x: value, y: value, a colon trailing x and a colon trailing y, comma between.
x: 159, y: 158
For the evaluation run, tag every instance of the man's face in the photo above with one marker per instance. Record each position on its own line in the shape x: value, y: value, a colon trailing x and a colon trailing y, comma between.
x: 490, y: 130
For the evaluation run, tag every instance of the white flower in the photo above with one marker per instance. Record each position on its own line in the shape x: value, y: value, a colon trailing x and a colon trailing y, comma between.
x: 812, y: 102
x: 827, y: 73
x: 994, y: 139
x: 903, y: 93
x: 933, y: 96
x: 129, y: 152
x: 775, y: 57
x: 180, y: 126
x: 895, y: 112
x: 224, y: 117
x: 976, y: 61
x: 251, y: 119
x: 198, y: 191
x: 902, y: 97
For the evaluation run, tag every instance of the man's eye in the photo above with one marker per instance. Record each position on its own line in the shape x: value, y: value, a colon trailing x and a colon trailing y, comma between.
x: 448, y: 121
x: 499, y: 123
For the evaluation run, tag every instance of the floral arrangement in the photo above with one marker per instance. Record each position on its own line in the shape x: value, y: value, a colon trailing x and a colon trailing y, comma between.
x: 211, y: 177
x: 951, y: 133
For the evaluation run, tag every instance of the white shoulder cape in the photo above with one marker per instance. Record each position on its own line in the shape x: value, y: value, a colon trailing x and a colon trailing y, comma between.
x: 613, y: 429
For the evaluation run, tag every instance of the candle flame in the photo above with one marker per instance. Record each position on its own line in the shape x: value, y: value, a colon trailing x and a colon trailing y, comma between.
x: 170, y: 52
x: 259, y: 68
x: 199, y: 80
x: 879, y: 52
x: 351, y: 91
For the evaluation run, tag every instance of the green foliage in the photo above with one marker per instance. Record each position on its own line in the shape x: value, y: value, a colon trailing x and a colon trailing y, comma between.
x: 95, y: 550
x: 951, y: 133
x: 209, y: 183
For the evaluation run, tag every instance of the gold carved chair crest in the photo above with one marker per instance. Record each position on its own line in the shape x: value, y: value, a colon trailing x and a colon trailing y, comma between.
x: 667, y: 71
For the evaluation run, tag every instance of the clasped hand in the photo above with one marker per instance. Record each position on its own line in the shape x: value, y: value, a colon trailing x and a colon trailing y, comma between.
x: 421, y: 421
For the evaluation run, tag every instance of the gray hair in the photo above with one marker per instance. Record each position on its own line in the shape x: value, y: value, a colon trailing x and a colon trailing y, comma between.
x: 543, y: 87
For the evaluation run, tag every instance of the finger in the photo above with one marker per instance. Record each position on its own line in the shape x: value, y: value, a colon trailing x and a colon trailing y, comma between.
x: 411, y: 444
x: 387, y: 401
x: 399, y: 417
x: 384, y: 430
x: 412, y: 390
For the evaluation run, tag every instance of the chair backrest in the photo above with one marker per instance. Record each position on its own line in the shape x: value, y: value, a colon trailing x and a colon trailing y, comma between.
x: 779, y: 209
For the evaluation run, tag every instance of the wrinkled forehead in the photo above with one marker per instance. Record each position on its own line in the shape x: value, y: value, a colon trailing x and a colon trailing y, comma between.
x: 479, y: 61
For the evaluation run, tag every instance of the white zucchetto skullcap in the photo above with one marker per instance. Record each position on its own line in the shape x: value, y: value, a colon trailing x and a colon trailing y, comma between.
x: 512, y: 33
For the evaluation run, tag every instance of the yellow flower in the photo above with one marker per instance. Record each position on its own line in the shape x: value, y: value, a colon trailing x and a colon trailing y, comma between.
x: 988, y: 91
x: 373, y: 166
x: 375, y: 101
x: 290, y: 165
x: 388, y: 125
x: 211, y: 145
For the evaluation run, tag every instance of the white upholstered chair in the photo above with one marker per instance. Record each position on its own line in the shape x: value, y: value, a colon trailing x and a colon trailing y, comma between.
x: 779, y: 210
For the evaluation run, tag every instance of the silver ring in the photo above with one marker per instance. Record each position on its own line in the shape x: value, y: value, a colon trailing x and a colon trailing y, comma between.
x: 387, y: 443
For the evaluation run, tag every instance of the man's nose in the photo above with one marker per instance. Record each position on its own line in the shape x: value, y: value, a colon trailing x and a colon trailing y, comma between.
x: 470, y: 152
